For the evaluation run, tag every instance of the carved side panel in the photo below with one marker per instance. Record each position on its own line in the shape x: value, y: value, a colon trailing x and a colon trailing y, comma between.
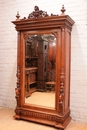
x: 61, y: 90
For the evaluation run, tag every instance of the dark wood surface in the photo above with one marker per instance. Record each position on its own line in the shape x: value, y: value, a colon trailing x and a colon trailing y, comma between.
x: 38, y: 22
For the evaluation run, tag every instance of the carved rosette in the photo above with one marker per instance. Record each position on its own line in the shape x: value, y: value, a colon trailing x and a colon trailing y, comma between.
x: 61, y: 91
x: 17, y: 90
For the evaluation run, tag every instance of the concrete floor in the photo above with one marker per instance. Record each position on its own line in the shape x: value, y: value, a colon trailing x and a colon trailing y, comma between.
x: 7, y: 122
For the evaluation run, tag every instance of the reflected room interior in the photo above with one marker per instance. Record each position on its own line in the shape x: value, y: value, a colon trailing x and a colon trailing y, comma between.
x: 40, y: 65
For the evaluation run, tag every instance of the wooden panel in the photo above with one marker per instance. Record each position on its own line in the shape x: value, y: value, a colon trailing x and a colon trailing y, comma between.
x: 67, y: 68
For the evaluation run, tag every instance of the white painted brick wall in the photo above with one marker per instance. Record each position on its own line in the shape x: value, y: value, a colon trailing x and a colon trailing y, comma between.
x: 8, y: 49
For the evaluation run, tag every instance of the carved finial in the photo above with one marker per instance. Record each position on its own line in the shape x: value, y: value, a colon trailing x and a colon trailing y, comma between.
x: 17, y: 16
x: 63, y: 10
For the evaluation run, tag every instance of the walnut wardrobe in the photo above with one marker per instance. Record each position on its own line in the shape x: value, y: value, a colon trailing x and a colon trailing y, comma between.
x: 43, y: 68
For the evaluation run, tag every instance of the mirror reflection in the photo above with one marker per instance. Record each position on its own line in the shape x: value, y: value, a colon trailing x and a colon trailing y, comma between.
x: 40, y: 61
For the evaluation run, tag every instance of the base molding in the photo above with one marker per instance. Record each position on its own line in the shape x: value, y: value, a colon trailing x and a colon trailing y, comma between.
x: 50, y: 119
x: 62, y: 126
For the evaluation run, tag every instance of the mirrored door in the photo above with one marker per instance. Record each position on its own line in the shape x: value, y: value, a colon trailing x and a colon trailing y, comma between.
x: 40, y: 62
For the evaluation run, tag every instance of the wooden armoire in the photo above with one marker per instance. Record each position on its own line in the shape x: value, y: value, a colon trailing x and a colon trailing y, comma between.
x: 43, y: 60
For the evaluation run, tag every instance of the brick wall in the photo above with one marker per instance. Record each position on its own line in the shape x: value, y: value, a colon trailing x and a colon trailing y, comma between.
x: 8, y: 49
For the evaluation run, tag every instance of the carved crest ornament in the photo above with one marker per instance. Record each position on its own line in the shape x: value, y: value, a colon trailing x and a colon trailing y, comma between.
x: 39, y: 13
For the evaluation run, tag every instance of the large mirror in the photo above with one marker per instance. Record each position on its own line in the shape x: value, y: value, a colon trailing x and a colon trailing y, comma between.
x: 40, y: 65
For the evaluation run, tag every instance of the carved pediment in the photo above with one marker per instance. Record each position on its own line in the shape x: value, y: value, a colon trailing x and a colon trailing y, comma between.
x: 37, y: 13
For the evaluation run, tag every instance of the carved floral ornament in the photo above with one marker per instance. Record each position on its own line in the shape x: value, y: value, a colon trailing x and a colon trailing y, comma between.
x: 37, y: 13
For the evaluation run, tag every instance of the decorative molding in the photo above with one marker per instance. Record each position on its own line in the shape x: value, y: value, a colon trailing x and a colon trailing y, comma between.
x: 38, y: 115
x: 42, y: 116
